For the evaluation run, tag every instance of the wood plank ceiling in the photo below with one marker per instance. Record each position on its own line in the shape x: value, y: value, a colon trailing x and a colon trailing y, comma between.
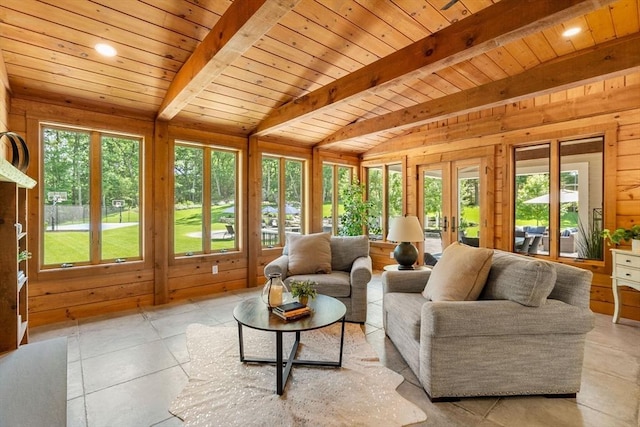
x: 345, y: 74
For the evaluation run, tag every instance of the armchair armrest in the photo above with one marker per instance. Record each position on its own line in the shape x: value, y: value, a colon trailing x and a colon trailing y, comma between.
x: 278, y: 265
x: 361, y: 272
x: 405, y: 281
x: 502, y: 317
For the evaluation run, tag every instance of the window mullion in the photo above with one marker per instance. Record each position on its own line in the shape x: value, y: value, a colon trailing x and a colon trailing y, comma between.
x: 282, y: 200
x: 335, y: 207
x: 95, y: 201
x: 384, y: 226
x: 206, y: 200
x: 554, y: 198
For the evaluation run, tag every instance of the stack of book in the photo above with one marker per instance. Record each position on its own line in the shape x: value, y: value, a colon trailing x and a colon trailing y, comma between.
x: 291, y: 311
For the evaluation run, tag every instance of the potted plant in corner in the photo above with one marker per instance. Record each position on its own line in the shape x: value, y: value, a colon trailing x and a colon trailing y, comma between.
x: 303, y: 289
x: 625, y: 234
x: 357, y: 210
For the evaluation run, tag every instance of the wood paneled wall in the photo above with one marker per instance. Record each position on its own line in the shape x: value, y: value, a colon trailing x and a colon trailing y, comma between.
x: 81, y: 292
x: 611, y: 104
x: 4, y: 106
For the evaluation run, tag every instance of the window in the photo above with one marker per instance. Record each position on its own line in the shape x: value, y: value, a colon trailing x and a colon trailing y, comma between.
x: 375, y: 197
x: 283, y: 194
x: 205, y: 202
x: 335, y: 180
x: 558, y: 212
x: 385, y: 193
x: 91, y: 193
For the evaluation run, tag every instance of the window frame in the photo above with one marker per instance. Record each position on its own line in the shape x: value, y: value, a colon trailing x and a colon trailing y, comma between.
x: 282, y: 202
x: 207, y: 150
x: 386, y: 168
x: 335, y: 191
x: 95, y: 199
x: 608, y: 132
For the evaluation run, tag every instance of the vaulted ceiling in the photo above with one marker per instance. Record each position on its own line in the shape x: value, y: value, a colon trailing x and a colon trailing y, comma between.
x: 347, y: 75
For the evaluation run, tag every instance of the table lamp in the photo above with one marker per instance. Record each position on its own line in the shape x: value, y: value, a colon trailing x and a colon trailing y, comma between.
x: 405, y: 229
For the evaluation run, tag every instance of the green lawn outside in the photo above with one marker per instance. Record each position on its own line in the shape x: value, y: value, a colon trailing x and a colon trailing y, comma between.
x: 471, y: 214
x: 567, y: 220
x: 73, y: 246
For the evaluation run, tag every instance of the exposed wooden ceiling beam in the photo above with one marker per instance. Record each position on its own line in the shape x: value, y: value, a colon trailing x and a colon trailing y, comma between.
x: 614, y: 57
x: 244, y: 22
x: 501, y: 23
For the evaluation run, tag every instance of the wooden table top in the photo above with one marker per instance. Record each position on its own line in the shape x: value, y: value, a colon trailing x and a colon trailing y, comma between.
x: 254, y: 313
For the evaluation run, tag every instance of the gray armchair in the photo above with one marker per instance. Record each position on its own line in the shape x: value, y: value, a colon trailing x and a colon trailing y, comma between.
x: 516, y: 339
x: 351, y: 271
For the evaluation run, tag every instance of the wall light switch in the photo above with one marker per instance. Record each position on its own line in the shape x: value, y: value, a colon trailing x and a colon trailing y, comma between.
x: 214, y: 269
x: 391, y: 255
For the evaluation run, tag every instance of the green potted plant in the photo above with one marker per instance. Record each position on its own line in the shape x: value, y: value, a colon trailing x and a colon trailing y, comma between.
x: 625, y: 234
x: 303, y: 289
x: 357, y: 210
x: 24, y: 255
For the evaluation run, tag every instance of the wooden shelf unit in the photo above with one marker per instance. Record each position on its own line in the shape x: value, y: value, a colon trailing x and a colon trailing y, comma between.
x: 14, y: 310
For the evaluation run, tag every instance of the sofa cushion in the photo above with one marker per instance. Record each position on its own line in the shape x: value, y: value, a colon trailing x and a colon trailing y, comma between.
x: 336, y: 284
x: 345, y: 250
x: 309, y: 253
x: 459, y: 275
x: 524, y: 280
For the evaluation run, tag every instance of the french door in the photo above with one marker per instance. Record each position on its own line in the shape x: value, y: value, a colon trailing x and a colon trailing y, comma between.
x: 450, y: 199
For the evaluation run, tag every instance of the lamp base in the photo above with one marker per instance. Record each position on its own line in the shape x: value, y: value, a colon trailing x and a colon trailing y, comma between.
x: 405, y: 255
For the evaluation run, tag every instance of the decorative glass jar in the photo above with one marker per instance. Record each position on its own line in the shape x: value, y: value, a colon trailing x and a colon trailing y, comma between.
x: 275, y: 292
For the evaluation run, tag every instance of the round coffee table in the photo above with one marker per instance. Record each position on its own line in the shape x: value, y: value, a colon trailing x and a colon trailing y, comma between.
x: 253, y: 313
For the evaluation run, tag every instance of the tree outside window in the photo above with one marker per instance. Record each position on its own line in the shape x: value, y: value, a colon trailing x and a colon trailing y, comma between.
x: 384, y: 193
x: 283, y: 192
x: 577, y: 187
x: 205, y: 202
x: 74, y: 190
x: 336, y: 180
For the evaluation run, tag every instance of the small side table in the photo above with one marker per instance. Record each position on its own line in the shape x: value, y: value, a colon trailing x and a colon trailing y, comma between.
x: 626, y: 272
x: 394, y: 267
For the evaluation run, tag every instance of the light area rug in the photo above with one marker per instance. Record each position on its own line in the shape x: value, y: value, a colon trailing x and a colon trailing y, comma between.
x: 222, y: 391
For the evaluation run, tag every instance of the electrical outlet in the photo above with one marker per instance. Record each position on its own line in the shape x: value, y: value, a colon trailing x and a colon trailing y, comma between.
x: 391, y: 255
x: 214, y: 269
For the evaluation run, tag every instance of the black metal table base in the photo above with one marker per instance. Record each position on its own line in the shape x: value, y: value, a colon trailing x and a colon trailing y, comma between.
x: 283, y: 367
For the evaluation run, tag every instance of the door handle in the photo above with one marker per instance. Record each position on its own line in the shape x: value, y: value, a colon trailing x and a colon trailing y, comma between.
x: 453, y: 224
x: 445, y: 224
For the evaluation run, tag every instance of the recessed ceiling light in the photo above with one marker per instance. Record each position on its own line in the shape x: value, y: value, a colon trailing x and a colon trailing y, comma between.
x: 571, y: 31
x: 105, y: 49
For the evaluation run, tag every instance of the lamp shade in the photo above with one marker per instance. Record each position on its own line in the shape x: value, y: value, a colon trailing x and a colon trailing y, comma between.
x: 405, y: 229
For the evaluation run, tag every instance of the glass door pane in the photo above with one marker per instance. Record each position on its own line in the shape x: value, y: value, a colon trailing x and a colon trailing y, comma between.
x: 434, y: 219
x: 468, y: 193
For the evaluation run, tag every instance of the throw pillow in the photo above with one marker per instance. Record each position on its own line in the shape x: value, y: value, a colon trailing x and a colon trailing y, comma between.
x: 309, y: 253
x: 460, y: 274
x: 520, y: 279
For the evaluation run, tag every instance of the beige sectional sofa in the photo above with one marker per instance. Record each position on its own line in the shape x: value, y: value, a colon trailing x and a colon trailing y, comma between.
x: 523, y: 335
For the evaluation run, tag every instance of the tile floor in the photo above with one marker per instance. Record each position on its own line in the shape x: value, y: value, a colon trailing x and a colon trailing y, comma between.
x: 124, y: 369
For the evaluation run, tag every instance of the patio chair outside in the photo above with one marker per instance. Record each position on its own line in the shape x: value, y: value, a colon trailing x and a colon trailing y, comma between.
x: 230, y: 232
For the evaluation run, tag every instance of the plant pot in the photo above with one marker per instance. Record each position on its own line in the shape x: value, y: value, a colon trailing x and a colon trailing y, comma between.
x: 635, y: 245
x: 303, y: 300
